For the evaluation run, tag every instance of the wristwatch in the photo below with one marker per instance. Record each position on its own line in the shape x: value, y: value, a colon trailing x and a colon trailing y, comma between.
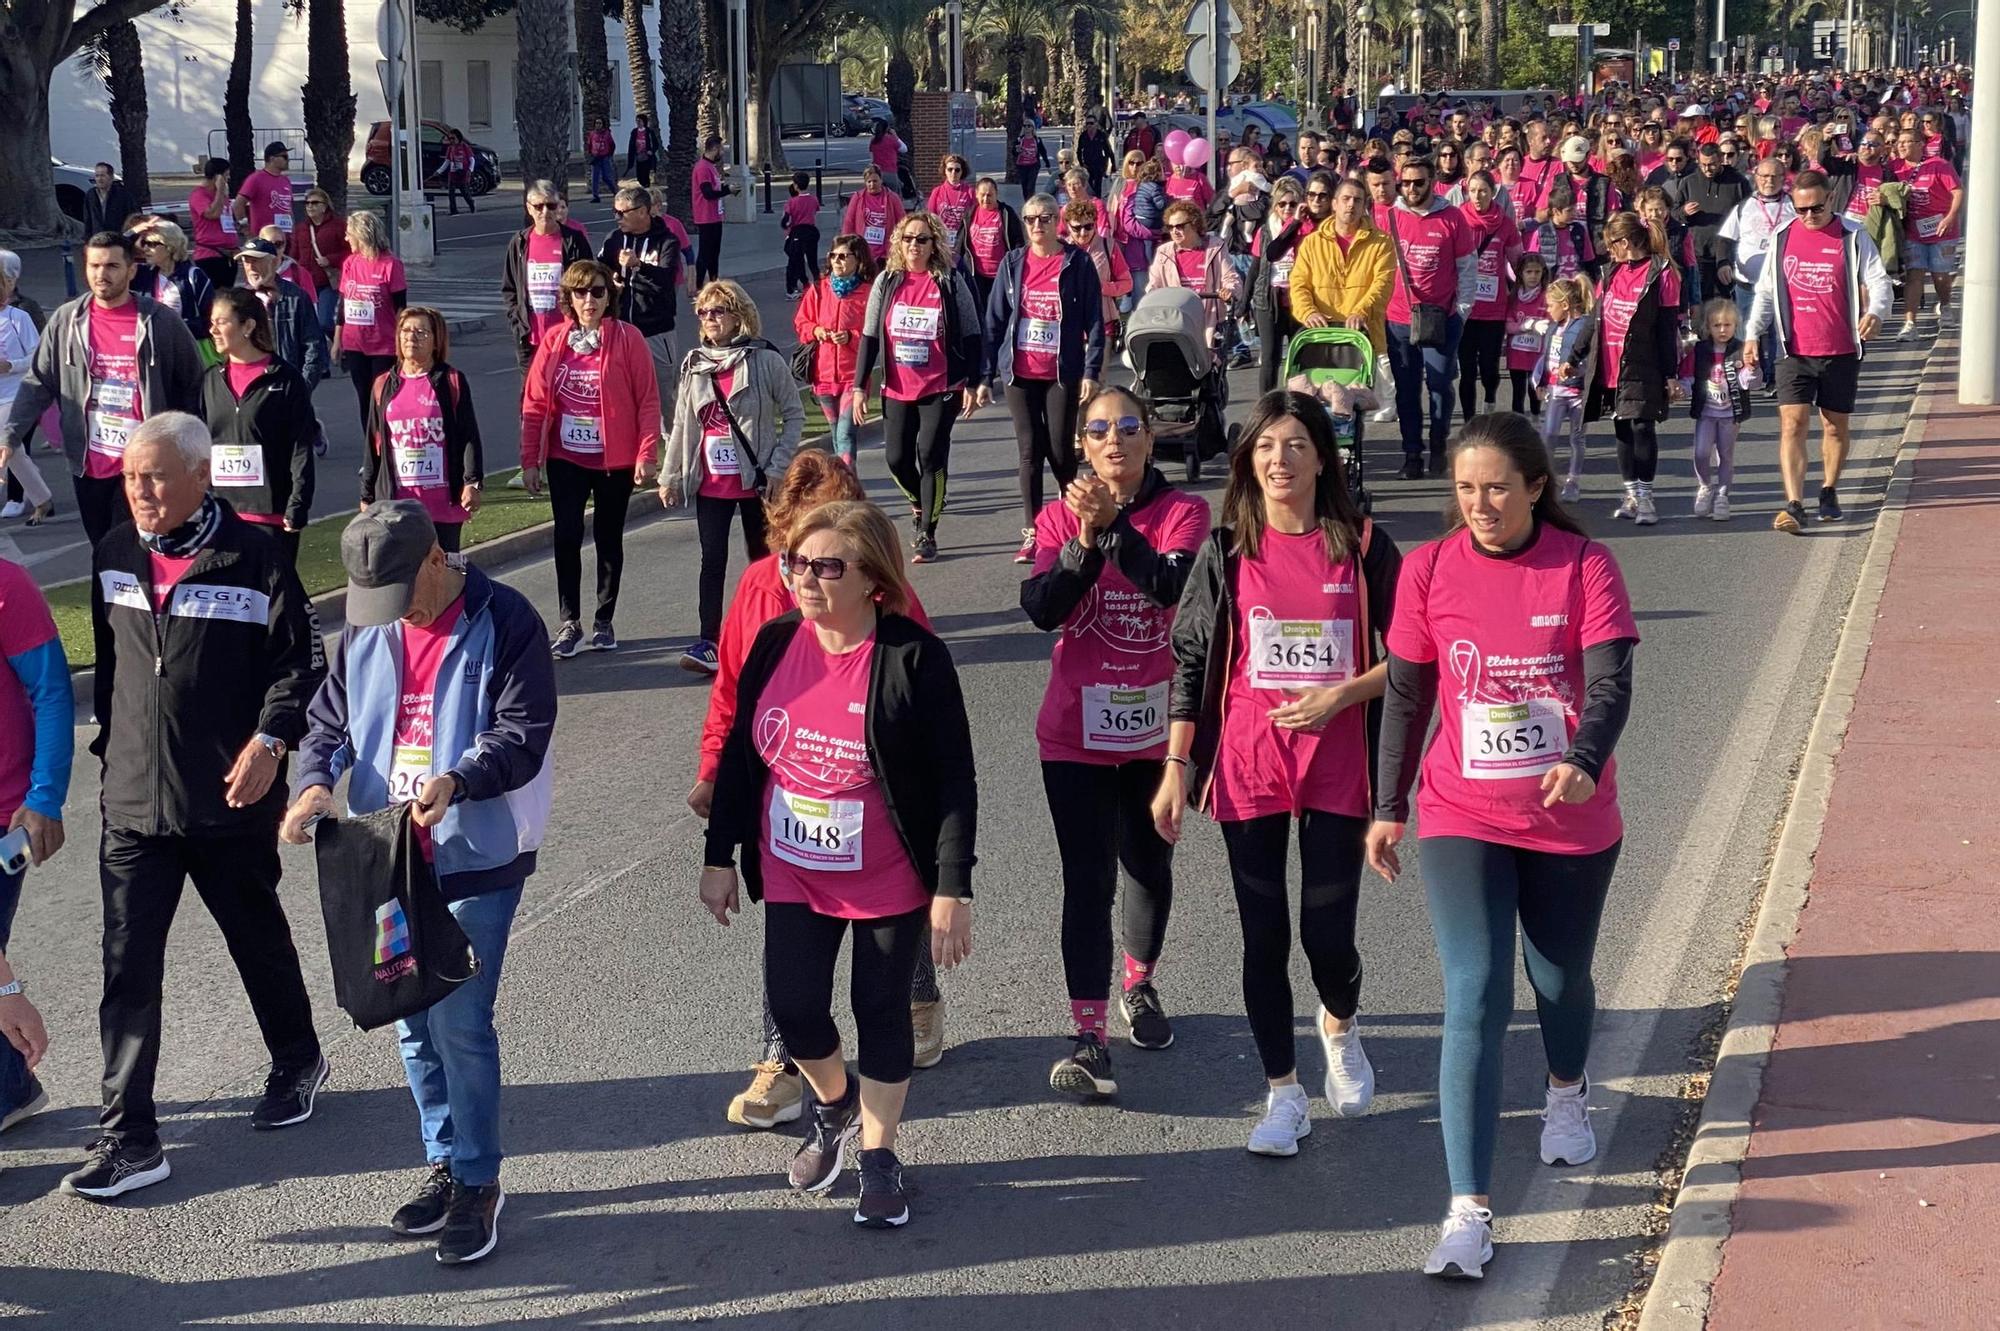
x: 9, y: 989
x: 274, y: 744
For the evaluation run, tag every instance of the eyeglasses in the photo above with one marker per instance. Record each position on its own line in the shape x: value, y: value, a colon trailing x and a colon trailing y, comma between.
x: 595, y: 293
x: 1318, y: 194
x: 713, y: 312
x: 549, y: 207
x: 829, y: 569
x: 1128, y: 426
x: 1036, y: 219
x: 415, y: 332
x: 923, y: 237
x: 1417, y: 182
x: 1809, y: 209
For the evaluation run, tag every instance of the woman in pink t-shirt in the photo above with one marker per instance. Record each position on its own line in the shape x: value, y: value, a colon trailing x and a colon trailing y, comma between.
x: 847, y: 786
x: 372, y: 289
x: 1194, y: 259
x: 422, y: 438
x: 1275, y: 645
x: 873, y: 213
x: 952, y: 198
x: 1111, y: 557
x: 1519, y: 799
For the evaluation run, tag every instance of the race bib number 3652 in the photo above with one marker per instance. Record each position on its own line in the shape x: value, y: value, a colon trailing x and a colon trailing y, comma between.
x: 1499, y: 741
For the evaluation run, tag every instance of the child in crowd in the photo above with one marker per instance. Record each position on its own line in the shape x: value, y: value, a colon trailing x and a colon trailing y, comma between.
x: 1563, y: 242
x: 801, y: 227
x: 1564, y: 370
x: 1527, y: 320
x: 1718, y: 393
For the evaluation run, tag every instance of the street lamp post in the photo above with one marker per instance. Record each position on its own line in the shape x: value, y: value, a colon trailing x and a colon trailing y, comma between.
x: 1464, y: 37
x: 1364, y: 88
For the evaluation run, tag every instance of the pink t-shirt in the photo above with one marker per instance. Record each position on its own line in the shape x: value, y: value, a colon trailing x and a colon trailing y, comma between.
x: 25, y: 624
x: 1532, y: 185
x: 987, y: 240
x: 167, y: 570
x: 1524, y: 340
x: 270, y: 200
x: 825, y: 838
x: 915, y: 328
x: 416, y: 450
x: 579, y: 399
x: 414, y: 759
x: 1931, y: 187
x: 367, y: 305
x: 1106, y: 702
x: 1867, y: 184
x: 1508, y: 635
x: 1298, y: 627
x: 1431, y: 246
x: 721, y: 458
x: 114, y: 409
x: 1038, y: 327
x: 1493, y: 235
x: 1620, y: 302
x: 802, y: 210
x: 542, y: 263
x: 1193, y: 187
x: 874, y: 213
x: 706, y: 209
x: 1192, y: 265
x: 951, y: 203
x: 1815, y: 270
x: 214, y: 237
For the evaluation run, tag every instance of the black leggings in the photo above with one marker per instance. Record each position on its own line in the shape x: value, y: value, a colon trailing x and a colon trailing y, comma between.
x: 711, y: 521
x: 982, y: 290
x: 802, y: 257
x: 364, y: 370
x: 570, y: 488
x: 916, y: 437
x: 707, y: 253
x: 1638, y: 450
x: 1044, y: 412
x: 923, y: 989
x: 1104, y: 818
x: 1330, y: 857
x: 1275, y: 326
x: 1025, y: 177
x: 1479, y: 360
x: 101, y: 505
x: 1526, y: 399
x: 800, y: 949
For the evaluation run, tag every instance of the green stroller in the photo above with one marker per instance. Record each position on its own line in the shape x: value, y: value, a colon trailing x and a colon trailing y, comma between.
x: 1343, y: 356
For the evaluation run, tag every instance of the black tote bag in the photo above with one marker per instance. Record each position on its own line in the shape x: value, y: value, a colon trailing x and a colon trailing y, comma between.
x: 394, y: 945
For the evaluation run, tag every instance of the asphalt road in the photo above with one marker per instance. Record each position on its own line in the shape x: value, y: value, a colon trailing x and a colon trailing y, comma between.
x: 628, y: 1017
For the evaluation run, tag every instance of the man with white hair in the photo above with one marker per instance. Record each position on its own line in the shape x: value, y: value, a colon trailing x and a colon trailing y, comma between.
x: 207, y: 655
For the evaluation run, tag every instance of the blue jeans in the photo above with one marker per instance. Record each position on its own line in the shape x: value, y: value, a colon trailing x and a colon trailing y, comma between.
x: 451, y: 1053
x: 602, y: 177
x: 17, y: 1084
x: 1417, y: 369
x: 327, y: 303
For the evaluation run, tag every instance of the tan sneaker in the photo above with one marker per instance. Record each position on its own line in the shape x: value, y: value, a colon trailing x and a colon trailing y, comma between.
x: 773, y: 1097
x: 927, y: 1024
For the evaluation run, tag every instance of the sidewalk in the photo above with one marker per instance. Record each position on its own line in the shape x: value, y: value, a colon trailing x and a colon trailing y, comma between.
x: 1873, y: 1158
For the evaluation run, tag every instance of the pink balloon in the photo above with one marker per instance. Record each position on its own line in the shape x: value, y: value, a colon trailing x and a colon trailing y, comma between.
x: 1176, y: 140
x: 1196, y: 153
x: 1173, y: 150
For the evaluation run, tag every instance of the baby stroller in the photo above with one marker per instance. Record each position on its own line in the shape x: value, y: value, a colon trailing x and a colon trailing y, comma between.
x: 1346, y: 357
x: 1177, y: 374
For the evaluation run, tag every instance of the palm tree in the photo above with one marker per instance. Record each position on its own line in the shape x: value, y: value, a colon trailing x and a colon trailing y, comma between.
x: 237, y: 131
x: 542, y: 88
x: 115, y: 56
x: 900, y: 24
x: 639, y: 61
x: 1007, y: 27
x: 593, y: 62
x: 714, y: 71
x: 680, y: 82
x: 1489, y: 43
x: 1356, y: 31
x: 328, y: 98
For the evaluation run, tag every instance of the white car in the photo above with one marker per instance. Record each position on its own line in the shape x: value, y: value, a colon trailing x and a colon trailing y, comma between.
x: 72, y: 183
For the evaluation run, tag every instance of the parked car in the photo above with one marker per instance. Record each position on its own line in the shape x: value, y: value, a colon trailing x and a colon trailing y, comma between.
x: 863, y: 111
x: 1269, y: 118
x: 72, y: 183
x: 375, y: 168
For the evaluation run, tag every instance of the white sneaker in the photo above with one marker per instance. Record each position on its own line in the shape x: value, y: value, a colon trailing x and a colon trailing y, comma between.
x: 1704, y: 501
x: 1721, y: 513
x: 1465, y: 1242
x: 1570, y: 490
x: 1350, y: 1077
x: 1385, y: 414
x: 1909, y: 333
x: 1287, y: 1119
x: 1566, y: 1135
x: 1628, y: 507
x: 14, y: 508
x: 1947, y: 317
x: 1644, y: 513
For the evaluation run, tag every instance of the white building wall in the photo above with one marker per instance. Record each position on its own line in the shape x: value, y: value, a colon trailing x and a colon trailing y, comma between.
x: 187, y: 70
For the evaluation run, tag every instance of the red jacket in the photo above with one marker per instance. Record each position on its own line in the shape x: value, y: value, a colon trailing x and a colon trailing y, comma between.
x: 760, y: 597
x: 331, y: 235
x: 833, y: 362
x: 630, y: 401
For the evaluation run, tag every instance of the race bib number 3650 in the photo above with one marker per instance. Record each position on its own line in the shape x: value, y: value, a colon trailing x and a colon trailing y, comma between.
x: 1499, y: 741
x: 1120, y: 720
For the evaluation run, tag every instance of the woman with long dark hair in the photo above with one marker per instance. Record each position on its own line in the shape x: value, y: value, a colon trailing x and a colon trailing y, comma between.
x: 259, y: 413
x: 1638, y: 336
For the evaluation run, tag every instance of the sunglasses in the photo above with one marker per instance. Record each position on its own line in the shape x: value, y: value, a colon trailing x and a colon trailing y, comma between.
x: 543, y: 207
x: 1178, y: 226
x: 843, y: 254
x: 828, y: 569
x: 1318, y: 194
x: 635, y: 208
x: 1286, y: 203
x: 922, y: 237
x: 1417, y: 182
x: 596, y: 293
x: 1128, y: 426
x: 1079, y: 228
x: 1809, y: 209
x: 713, y: 312
x: 1035, y: 219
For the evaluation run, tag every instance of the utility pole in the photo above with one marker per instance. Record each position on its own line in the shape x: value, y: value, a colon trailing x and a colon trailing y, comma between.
x: 1721, y: 36
x: 1979, y: 338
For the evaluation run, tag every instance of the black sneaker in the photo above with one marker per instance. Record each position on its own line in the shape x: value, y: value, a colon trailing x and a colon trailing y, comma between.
x: 1791, y: 518
x: 113, y: 1168
x: 1086, y: 1072
x: 568, y: 639
x: 602, y: 639
x: 828, y: 1130
x: 1146, y: 1017
x: 1829, y: 505
x: 1413, y: 467
x: 926, y: 551
x: 882, y: 1204
x: 471, y: 1223
x: 1437, y: 461
x: 425, y: 1212
x: 288, y: 1095
x: 37, y: 1101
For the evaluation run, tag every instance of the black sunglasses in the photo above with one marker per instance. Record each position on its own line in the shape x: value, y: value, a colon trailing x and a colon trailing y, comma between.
x: 828, y: 569
x: 1809, y: 209
x: 1128, y: 426
x: 596, y: 291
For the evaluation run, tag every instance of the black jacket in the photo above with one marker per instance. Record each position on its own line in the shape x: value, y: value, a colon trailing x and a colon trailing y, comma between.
x: 179, y: 694
x: 632, y: 154
x: 1704, y: 361
x: 108, y: 213
x: 964, y: 327
x: 919, y: 744
x: 1080, y: 334
x: 464, y: 455
x: 1205, y: 633
x: 275, y: 415
x: 1160, y: 576
x: 645, y: 297
x: 196, y: 293
x: 1714, y: 200
x: 1013, y: 235
x: 295, y: 326
x: 1263, y: 266
x: 514, y: 276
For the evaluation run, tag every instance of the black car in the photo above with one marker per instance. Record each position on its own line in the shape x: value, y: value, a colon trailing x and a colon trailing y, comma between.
x: 375, y: 169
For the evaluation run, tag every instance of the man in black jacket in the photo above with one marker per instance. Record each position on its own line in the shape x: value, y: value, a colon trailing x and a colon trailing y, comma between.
x: 294, y: 321
x: 646, y: 263
x: 207, y: 655
x: 1706, y: 198
x: 107, y: 203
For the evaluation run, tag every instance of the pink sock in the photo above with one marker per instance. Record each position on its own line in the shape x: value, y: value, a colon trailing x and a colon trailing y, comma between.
x: 1088, y: 1014
x: 1138, y: 972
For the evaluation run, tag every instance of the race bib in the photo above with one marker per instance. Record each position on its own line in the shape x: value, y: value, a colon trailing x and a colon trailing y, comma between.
x: 228, y: 220
x: 1037, y: 335
x: 1488, y: 287
x: 235, y: 465
x: 875, y: 235
x: 420, y: 468
x: 284, y: 219
x: 1525, y: 342
x: 358, y: 310
x: 1299, y: 653
x: 109, y: 434
x: 1929, y: 227
x: 815, y: 833
x: 1122, y: 720
x: 1281, y: 272
x: 913, y: 353
x: 543, y: 279
x: 915, y: 322
x: 720, y: 451
x: 1500, y: 741
x: 581, y: 434
x: 410, y: 767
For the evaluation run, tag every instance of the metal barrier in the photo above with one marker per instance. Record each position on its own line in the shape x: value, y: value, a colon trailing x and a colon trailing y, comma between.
x: 300, y: 156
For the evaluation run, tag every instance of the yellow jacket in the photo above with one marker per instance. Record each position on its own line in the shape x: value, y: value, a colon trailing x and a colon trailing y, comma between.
x: 1326, y: 281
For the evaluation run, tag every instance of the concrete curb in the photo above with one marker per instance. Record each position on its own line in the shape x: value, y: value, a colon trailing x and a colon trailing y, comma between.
x: 1691, y: 1259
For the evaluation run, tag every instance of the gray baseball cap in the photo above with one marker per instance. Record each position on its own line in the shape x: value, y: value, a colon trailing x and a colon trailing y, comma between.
x: 382, y: 550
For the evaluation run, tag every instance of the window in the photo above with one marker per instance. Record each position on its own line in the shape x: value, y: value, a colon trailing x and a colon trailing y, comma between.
x: 617, y: 112
x: 430, y: 89
x: 479, y: 94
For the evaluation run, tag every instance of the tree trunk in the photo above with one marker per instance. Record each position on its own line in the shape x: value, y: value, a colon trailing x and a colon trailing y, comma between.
x: 680, y: 82
x: 1354, y: 29
x: 1012, y: 115
x: 1089, y: 74
x: 542, y: 82
x: 1701, y: 62
x: 937, y: 71
x: 711, y: 115
x: 328, y: 98
x: 238, y: 133
x: 125, y: 89
x: 899, y: 85
x: 639, y: 63
x: 593, y: 62
x: 1489, y: 43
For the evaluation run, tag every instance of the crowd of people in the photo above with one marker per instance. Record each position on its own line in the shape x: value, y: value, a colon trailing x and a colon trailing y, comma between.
x: 1275, y: 661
